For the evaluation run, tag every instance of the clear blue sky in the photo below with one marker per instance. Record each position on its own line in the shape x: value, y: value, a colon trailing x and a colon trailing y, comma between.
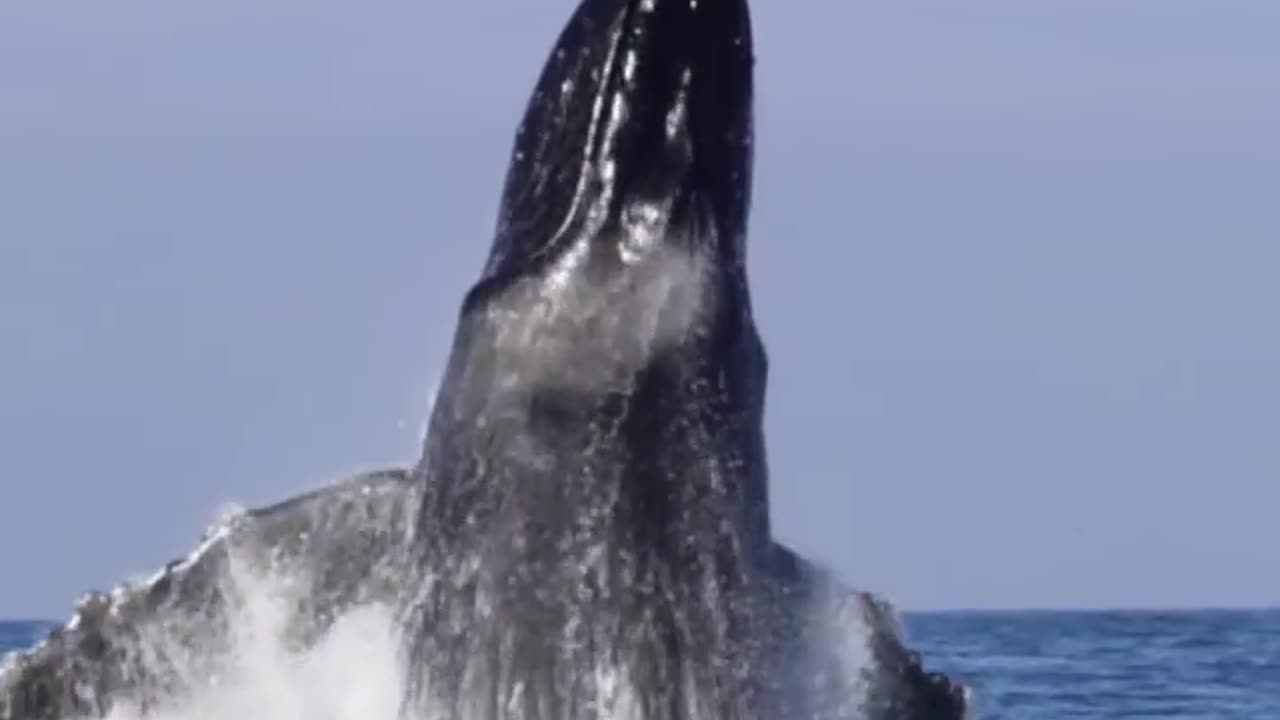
x: 1017, y: 266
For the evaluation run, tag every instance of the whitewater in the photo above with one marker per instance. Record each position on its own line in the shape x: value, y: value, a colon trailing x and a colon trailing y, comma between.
x: 255, y: 643
x: 353, y: 672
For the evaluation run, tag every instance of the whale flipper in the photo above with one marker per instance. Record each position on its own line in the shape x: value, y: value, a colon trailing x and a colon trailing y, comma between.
x: 155, y: 640
x: 869, y: 662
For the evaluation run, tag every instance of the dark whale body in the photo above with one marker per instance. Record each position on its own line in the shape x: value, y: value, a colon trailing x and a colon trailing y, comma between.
x: 595, y: 523
x: 587, y: 534
x: 594, y: 473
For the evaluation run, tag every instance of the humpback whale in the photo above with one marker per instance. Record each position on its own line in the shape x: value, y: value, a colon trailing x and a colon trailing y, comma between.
x: 586, y: 534
x: 595, y: 511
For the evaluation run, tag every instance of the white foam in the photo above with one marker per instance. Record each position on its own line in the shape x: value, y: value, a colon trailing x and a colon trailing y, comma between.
x: 355, y: 671
x: 352, y: 673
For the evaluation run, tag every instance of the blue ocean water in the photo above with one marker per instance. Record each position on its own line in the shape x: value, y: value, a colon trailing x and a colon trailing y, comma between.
x: 1202, y: 665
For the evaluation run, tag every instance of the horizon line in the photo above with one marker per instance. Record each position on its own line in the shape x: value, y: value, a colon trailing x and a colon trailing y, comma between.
x: 1090, y: 610
x: 1012, y: 610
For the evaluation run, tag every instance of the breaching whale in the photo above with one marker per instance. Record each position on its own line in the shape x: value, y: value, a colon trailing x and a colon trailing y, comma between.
x: 595, y: 521
x: 587, y: 533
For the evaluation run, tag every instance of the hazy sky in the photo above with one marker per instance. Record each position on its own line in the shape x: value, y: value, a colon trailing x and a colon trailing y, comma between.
x: 1017, y: 266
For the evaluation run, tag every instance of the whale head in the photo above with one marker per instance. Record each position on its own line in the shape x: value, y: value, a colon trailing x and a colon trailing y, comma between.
x: 618, y: 265
x: 620, y: 238
x: 628, y: 190
x: 637, y: 134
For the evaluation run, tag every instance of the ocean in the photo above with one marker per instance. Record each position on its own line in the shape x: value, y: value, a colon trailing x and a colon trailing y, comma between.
x: 1191, y: 665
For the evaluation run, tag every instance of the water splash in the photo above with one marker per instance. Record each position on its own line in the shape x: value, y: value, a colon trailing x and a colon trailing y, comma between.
x: 255, y: 672
x: 250, y: 666
x: 298, y: 610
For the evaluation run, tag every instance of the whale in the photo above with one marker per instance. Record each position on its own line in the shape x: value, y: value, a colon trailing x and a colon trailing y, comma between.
x: 595, y: 517
x: 587, y: 530
x: 595, y: 523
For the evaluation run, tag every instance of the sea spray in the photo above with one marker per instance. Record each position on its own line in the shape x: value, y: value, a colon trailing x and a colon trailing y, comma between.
x: 351, y: 673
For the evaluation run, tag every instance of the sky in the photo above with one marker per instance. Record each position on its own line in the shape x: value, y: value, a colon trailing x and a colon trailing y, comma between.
x: 1014, y: 264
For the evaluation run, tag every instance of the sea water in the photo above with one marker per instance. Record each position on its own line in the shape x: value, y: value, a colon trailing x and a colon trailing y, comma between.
x: 1189, y: 665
